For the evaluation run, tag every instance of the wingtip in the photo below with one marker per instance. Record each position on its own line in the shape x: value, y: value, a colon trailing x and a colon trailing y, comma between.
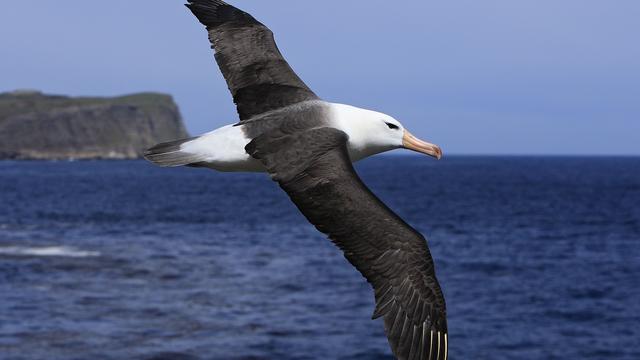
x: 213, y: 13
x: 205, y: 4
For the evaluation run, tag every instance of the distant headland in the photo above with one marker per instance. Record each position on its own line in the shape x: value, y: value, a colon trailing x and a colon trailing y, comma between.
x: 34, y: 125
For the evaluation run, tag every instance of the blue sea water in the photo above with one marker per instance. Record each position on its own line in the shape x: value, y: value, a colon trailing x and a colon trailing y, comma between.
x: 538, y: 257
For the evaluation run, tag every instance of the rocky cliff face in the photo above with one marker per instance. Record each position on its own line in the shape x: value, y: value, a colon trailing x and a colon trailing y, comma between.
x: 38, y: 126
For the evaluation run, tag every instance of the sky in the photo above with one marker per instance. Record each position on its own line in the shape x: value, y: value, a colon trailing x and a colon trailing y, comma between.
x: 476, y: 77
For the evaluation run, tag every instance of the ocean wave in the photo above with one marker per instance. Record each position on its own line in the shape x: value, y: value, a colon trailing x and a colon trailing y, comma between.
x: 60, y: 251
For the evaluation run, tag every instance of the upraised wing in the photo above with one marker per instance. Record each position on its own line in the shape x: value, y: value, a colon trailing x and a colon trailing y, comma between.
x: 259, y: 78
x: 314, y: 168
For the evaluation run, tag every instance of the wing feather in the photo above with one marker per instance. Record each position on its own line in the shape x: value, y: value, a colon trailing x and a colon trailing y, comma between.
x: 390, y: 254
x: 258, y: 76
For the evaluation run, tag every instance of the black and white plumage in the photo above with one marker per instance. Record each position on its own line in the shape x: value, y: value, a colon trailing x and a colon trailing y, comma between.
x: 308, y: 145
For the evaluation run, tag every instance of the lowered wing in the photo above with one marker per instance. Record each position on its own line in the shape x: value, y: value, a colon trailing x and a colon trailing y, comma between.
x: 314, y: 168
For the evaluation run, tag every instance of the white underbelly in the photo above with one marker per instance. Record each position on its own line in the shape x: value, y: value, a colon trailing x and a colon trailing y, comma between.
x: 223, y: 150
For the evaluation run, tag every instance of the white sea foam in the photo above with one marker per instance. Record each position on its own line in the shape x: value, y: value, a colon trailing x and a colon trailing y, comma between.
x: 61, y: 251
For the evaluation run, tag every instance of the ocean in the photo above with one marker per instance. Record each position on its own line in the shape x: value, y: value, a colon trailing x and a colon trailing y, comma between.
x: 538, y: 257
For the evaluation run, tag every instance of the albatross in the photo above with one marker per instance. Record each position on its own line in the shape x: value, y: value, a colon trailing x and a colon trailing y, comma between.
x: 308, y: 147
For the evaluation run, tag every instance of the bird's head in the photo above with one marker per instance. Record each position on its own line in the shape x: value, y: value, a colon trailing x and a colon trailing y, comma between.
x: 372, y: 132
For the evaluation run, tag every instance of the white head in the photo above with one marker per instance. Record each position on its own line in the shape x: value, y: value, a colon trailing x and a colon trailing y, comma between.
x: 372, y: 132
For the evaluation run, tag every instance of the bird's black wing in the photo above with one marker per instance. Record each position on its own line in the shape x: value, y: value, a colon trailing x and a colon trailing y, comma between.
x: 259, y: 78
x: 314, y: 168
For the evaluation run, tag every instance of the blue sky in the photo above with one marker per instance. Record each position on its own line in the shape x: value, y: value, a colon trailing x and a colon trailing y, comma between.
x: 476, y: 77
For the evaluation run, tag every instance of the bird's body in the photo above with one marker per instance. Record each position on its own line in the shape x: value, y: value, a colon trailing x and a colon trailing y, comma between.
x: 224, y: 148
x: 308, y: 146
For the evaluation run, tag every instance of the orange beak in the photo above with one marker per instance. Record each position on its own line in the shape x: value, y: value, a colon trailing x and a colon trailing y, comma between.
x: 413, y: 143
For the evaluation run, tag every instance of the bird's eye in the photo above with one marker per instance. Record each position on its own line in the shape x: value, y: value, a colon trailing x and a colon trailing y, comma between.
x: 392, y: 126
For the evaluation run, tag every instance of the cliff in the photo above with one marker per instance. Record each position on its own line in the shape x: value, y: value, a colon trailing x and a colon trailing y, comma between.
x: 38, y: 126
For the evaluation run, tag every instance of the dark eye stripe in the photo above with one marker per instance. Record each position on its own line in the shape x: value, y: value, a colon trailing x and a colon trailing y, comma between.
x: 392, y: 126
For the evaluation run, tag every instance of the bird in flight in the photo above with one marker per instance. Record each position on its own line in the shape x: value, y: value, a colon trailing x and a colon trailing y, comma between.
x: 308, y: 145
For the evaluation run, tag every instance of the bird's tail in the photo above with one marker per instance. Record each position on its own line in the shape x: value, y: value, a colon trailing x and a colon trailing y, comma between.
x: 173, y: 153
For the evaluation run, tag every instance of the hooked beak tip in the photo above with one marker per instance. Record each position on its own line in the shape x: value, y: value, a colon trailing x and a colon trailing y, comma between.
x: 438, y: 153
